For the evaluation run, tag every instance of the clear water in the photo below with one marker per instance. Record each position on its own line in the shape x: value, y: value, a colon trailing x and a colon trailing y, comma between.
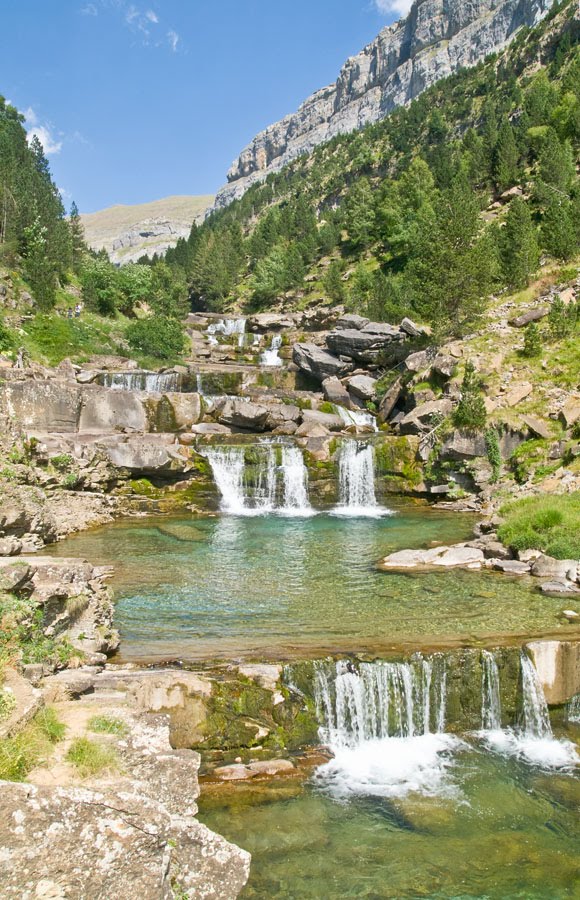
x: 464, y: 823
x: 281, y: 588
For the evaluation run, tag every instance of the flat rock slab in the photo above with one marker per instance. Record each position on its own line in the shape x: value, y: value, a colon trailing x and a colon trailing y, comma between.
x: 442, y: 557
x: 510, y: 566
x: 559, y: 587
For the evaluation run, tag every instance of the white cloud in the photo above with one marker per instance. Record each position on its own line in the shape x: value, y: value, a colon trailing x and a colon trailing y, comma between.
x: 34, y: 128
x: 152, y: 17
x: 173, y: 38
x: 140, y: 20
x: 388, y: 7
x: 90, y: 10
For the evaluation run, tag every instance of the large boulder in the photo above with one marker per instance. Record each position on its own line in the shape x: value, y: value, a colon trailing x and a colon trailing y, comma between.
x: 105, y: 410
x: 147, y: 454
x: 335, y: 392
x: 184, y: 409
x: 263, y: 322
x: 43, y: 405
x: 390, y: 400
x: 281, y: 414
x: 351, y: 320
x: 570, y: 412
x: 461, y: 445
x: 458, y: 556
x: 423, y: 417
x: 318, y: 362
x: 368, y: 343
x: 327, y: 420
x: 247, y: 416
x: 362, y: 386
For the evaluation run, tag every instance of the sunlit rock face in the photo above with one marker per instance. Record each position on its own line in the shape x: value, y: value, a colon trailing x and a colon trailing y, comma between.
x: 437, y: 38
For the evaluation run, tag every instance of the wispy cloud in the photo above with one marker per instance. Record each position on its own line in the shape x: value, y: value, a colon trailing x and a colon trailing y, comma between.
x: 142, y: 21
x: 43, y: 131
x: 152, y: 17
x: 173, y: 38
x: 388, y: 7
x: 89, y: 10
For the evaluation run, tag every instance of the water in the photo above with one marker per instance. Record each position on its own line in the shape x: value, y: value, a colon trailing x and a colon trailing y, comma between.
x: 356, y: 475
x: 228, y: 327
x: 356, y: 417
x: 280, y: 480
x: 282, y: 587
x: 573, y: 710
x: 490, y: 693
x: 150, y: 382
x: 536, y: 719
x: 271, y: 357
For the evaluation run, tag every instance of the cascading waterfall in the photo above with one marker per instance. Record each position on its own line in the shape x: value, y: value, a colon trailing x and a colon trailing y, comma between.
x: 280, y: 482
x: 356, y: 481
x: 271, y: 357
x: 228, y: 327
x: 356, y: 417
x: 573, y: 710
x: 535, y: 716
x: 490, y: 693
x: 385, y: 726
x: 148, y: 382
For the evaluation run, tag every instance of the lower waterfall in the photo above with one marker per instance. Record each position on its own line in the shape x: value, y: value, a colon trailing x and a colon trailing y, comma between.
x: 271, y: 357
x: 149, y: 382
x: 490, y: 693
x: 385, y: 726
x: 278, y: 481
x: 356, y: 417
x: 356, y: 481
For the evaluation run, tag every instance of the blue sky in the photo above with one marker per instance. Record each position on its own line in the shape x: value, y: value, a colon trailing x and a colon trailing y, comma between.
x: 134, y: 101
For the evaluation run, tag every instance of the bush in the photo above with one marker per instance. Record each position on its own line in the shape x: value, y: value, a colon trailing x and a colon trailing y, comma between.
x: 7, y: 338
x: 157, y: 336
x: 549, y: 524
x: 532, y: 341
x: 470, y: 411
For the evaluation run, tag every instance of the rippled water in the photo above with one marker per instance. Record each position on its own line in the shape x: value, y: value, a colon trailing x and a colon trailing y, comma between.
x: 284, y: 587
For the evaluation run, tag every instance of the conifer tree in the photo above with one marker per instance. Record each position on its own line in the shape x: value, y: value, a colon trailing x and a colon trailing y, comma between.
x: 558, y: 228
x: 518, y: 245
x: 470, y: 411
x: 505, y: 165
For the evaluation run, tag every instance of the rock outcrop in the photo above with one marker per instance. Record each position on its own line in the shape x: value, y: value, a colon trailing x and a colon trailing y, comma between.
x: 437, y: 38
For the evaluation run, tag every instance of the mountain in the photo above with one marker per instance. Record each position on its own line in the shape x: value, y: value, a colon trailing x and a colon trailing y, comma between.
x: 129, y: 232
x: 437, y: 38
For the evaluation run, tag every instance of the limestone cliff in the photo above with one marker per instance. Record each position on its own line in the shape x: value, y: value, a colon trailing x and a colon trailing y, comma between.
x: 437, y: 38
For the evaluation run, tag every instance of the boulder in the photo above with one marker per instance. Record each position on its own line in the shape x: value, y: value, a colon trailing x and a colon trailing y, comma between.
x: 146, y: 453
x: 362, y: 386
x: 537, y: 427
x: 105, y: 410
x: 532, y: 315
x: 264, y: 322
x: 185, y: 409
x: 311, y: 430
x: 327, y: 420
x: 211, y: 428
x: 461, y: 445
x: 417, y: 362
x: 248, y: 416
x: 421, y: 419
x: 459, y: 556
x: 271, y: 766
x: 558, y: 569
x: 444, y: 366
x: 318, y: 362
x: 365, y: 345
x: 281, y: 414
x: 517, y: 393
x: 570, y: 412
x: 559, y: 587
x: 14, y: 574
x: 390, y: 400
x: 43, y: 405
x: 350, y: 321
x: 510, y: 566
x: 10, y: 546
x: 409, y: 327
x: 335, y: 392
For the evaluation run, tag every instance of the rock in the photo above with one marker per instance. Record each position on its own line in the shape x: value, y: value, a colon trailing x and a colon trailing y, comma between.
x: 264, y: 322
x: 267, y: 676
x: 450, y: 557
x: 236, y: 772
x: 558, y: 569
x: 14, y: 575
x: 510, y: 566
x: 559, y: 587
x: 466, y: 557
x: 435, y: 40
x: 570, y: 412
x: 46, y: 406
x: 517, y: 393
x: 66, y: 370
x: 422, y: 417
x: 211, y: 428
x: 529, y: 556
x: 365, y: 345
x: 10, y: 546
x: 271, y: 766
x: 492, y: 549
x: 417, y: 362
x: 537, y: 427
x: 362, y: 386
x: 312, y: 430
x: 533, y: 315
x: 570, y: 615
x: 318, y: 362
x: 444, y: 366
x: 461, y: 445
x: 105, y: 410
x: 283, y: 414
x: 349, y: 321
x: 86, y: 376
x: 409, y: 327
x: 335, y: 392
x: 146, y: 453
x: 327, y: 420
x: 390, y: 400
x: 185, y: 410
x: 68, y: 685
x: 249, y: 416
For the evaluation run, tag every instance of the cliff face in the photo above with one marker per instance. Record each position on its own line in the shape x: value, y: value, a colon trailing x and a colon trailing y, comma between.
x: 437, y: 38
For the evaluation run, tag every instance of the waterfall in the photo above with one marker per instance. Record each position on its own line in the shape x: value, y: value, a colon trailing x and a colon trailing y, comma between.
x: 228, y: 327
x: 573, y: 710
x: 149, y: 382
x: 276, y: 482
x: 356, y: 417
x: 490, y: 695
x: 356, y: 481
x: 381, y: 700
x: 271, y: 357
x: 535, y: 716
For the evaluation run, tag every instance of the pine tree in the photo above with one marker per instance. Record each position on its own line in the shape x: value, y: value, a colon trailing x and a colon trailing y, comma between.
x: 505, y: 164
x: 518, y: 245
x: 77, y: 233
x: 470, y: 411
x: 558, y: 228
x: 532, y: 341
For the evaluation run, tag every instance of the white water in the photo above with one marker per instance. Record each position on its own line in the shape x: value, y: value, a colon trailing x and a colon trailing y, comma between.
x: 490, y: 695
x: 533, y: 740
x: 228, y: 327
x: 384, y: 725
x: 271, y: 357
x: 356, y: 482
x: 280, y: 488
x: 573, y: 713
x: 356, y: 417
x: 149, y: 382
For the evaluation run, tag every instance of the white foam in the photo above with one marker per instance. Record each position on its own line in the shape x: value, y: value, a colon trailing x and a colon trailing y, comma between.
x: 393, y: 767
x: 547, y: 752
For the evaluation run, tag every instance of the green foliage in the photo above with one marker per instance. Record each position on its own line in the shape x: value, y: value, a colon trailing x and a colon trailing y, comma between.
x: 30, y: 747
x: 518, y: 245
x: 8, y: 340
x: 493, y: 453
x: 105, y: 724
x: 532, y: 341
x: 62, y: 461
x: 92, y: 757
x: 7, y: 704
x: 157, y: 336
x: 549, y: 524
x: 562, y: 319
x: 470, y: 411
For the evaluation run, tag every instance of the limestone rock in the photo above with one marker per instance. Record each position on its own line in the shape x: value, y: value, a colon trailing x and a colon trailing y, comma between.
x: 327, y: 420
x: 362, y: 386
x: 421, y: 418
x: 532, y: 315
x: 445, y: 557
x: 558, y: 569
x: 461, y: 445
x: 249, y: 416
x: 108, y: 410
x: 537, y: 427
x: 367, y: 344
x: 390, y: 400
x: 351, y: 321
x: 570, y: 412
x: 335, y: 392
x: 517, y: 393
x: 510, y: 566
x: 318, y: 362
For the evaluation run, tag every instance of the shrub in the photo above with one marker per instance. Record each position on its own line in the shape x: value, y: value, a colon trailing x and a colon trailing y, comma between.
x: 157, y: 336
x: 532, y: 341
x: 7, y: 338
x: 470, y: 411
x: 92, y: 758
x: 493, y: 453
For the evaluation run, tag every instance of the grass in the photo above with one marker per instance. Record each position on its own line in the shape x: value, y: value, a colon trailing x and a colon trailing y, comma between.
x: 32, y: 746
x: 107, y: 725
x: 51, y: 338
x: 549, y: 523
x: 92, y: 757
